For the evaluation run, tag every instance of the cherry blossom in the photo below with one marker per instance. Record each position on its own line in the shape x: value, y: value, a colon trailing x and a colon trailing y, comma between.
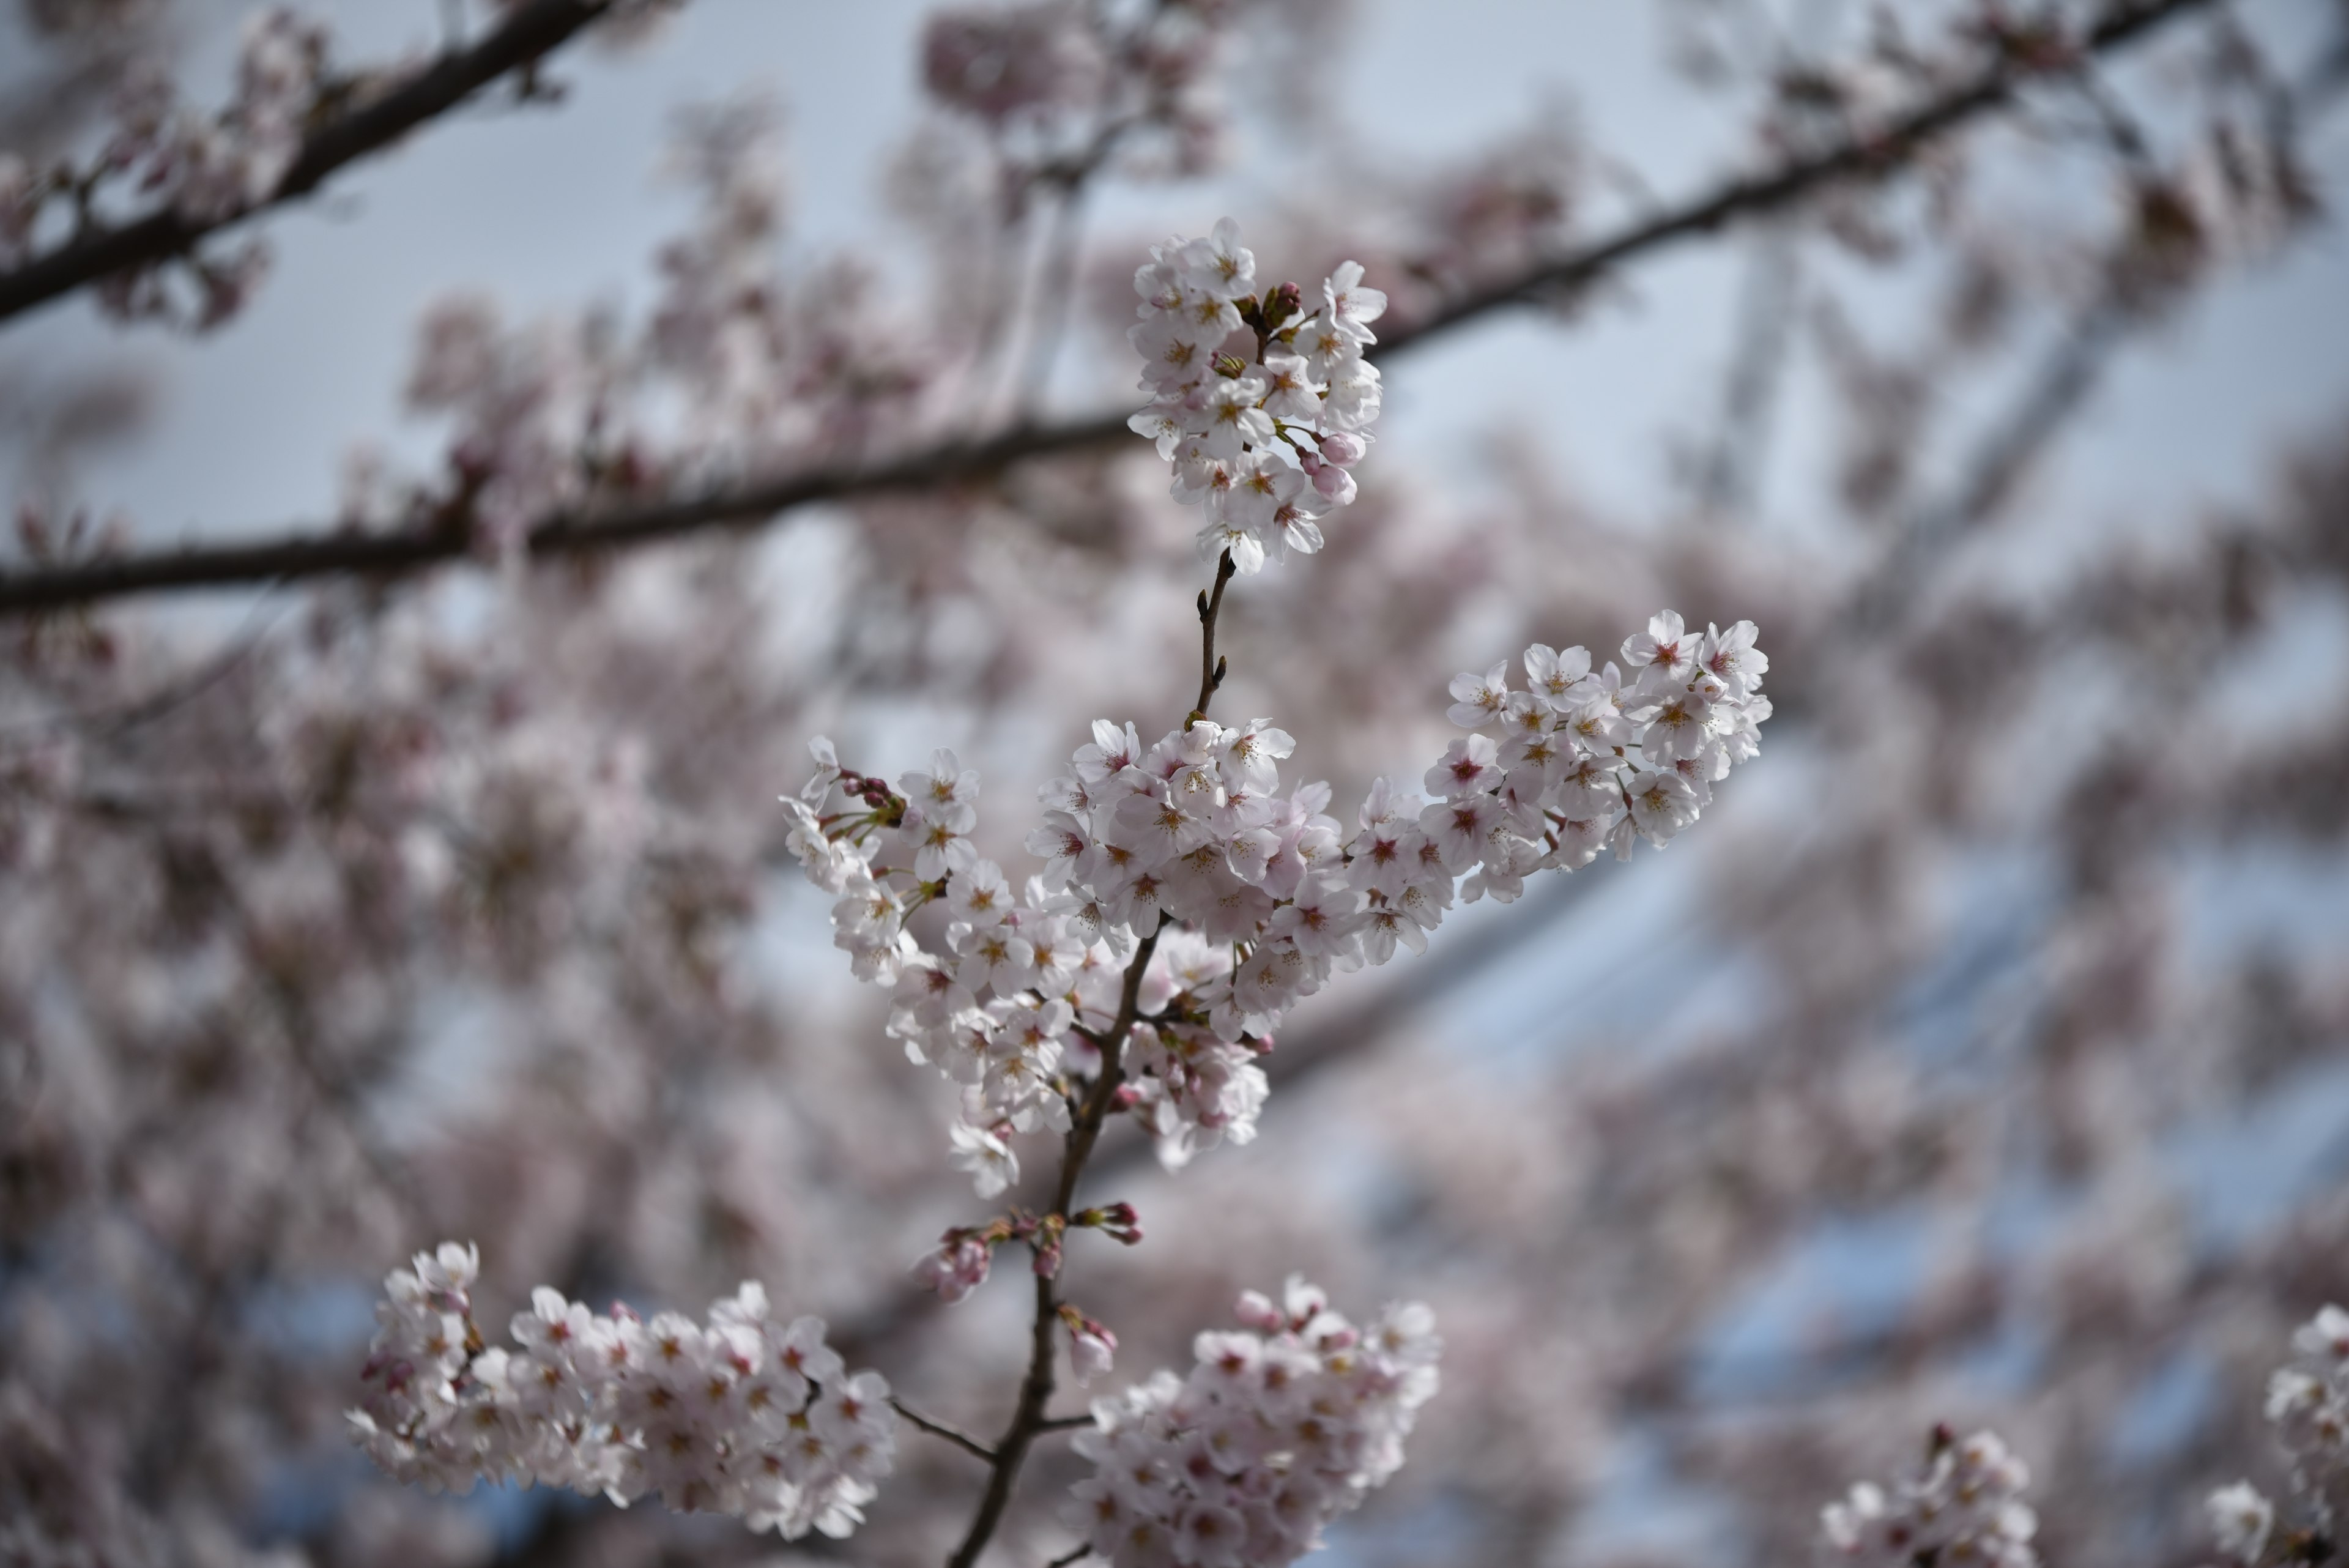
x: 1274, y: 1432
x: 741, y: 1415
x: 1963, y: 1507
x: 1263, y: 439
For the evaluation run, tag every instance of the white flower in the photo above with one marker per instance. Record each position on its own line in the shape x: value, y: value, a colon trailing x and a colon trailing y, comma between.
x: 1661, y: 804
x: 1275, y: 1433
x: 1479, y: 700
x: 1552, y: 675
x: 1350, y: 307
x: 1470, y: 765
x: 1229, y: 419
x: 947, y: 784
x: 1665, y: 643
x: 1676, y: 729
x: 2240, y: 1519
x: 1093, y: 1350
x: 994, y: 1167
x: 980, y: 895
x: 1326, y: 347
x: 1292, y: 392
x: 1964, y: 1506
x: 2324, y: 1338
x: 1217, y: 265
x: 1730, y: 657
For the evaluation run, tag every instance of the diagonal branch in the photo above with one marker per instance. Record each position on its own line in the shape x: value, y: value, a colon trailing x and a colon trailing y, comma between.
x: 320, y: 554
x: 528, y: 34
x: 959, y: 1438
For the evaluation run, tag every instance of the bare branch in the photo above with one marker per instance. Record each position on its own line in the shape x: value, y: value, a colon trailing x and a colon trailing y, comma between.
x: 530, y: 34
x: 960, y: 1439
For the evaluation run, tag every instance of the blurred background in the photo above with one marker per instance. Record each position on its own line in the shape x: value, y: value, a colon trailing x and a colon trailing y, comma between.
x: 1980, y: 1058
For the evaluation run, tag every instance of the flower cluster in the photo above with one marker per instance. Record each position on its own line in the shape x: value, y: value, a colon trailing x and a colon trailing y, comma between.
x: 1255, y: 897
x: 1586, y: 760
x: 1278, y: 1429
x: 742, y: 1414
x: 214, y: 166
x: 2308, y: 1406
x: 1263, y: 438
x: 740, y: 365
x: 206, y: 166
x: 1965, y: 1507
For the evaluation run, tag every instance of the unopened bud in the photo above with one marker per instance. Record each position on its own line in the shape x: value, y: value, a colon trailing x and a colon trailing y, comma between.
x: 1282, y: 306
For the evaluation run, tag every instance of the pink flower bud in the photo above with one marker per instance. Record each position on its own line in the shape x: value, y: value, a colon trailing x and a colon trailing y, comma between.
x: 1343, y: 448
x: 1091, y: 1348
x: 1255, y: 1310
x: 1336, y: 483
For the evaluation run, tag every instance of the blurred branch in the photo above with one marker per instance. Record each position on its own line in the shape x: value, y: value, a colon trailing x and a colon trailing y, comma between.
x: 320, y: 554
x: 1729, y: 472
x: 531, y: 32
x: 2057, y: 389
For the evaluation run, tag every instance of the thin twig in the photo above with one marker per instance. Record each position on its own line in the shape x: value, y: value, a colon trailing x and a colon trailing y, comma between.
x: 960, y: 1439
x: 1211, y: 669
x: 528, y: 35
x: 1071, y: 1556
x: 307, y: 554
x: 122, y: 717
x: 1063, y: 1423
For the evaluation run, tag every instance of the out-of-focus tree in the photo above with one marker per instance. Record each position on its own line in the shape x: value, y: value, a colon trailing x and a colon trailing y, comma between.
x: 447, y: 895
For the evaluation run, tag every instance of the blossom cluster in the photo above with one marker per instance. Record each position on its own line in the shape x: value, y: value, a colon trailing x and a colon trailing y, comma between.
x: 742, y: 1414
x: 205, y: 166
x: 1263, y: 440
x: 1255, y: 897
x: 1588, y: 759
x: 1279, y: 1428
x: 2308, y: 1406
x: 214, y: 166
x: 1965, y: 1507
x: 1058, y: 88
x: 740, y: 365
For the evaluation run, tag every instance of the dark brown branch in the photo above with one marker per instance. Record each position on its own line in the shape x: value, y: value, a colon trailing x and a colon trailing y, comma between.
x: 1991, y: 88
x: 960, y: 1439
x: 1211, y: 669
x: 1071, y: 1556
x: 309, y: 555
x: 299, y: 556
x: 1036, y: 1388
x: 528, y: 34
